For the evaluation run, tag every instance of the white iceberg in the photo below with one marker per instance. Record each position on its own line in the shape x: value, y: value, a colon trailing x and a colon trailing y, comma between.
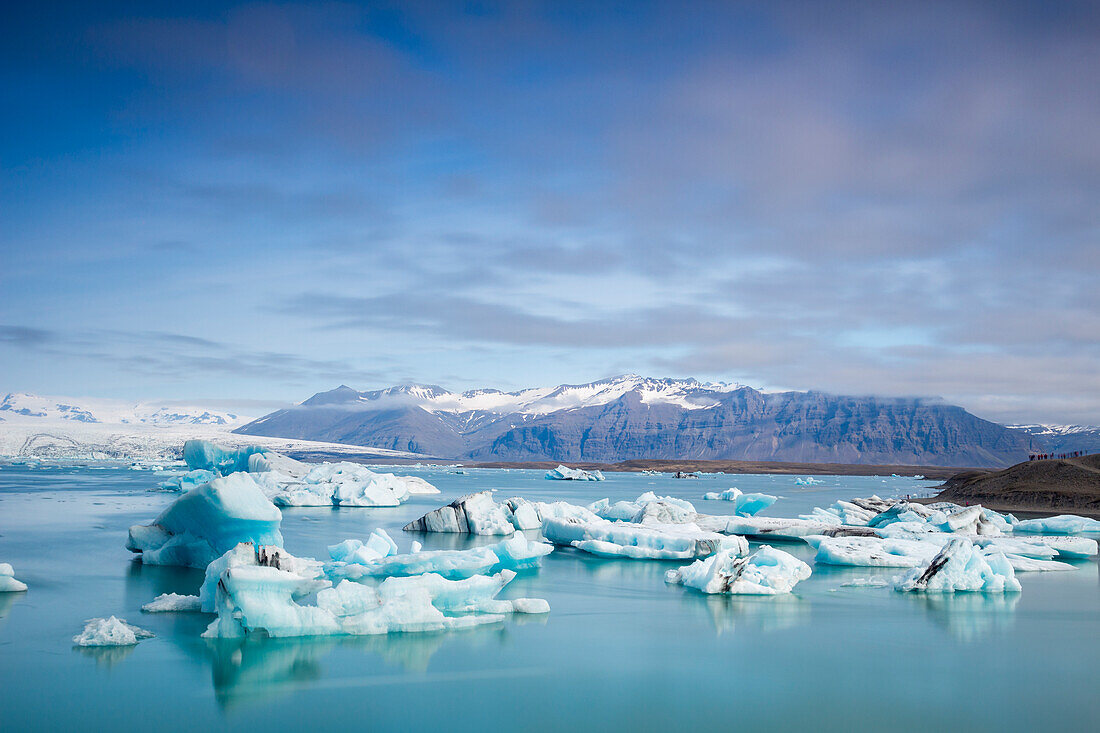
x: 8, y: 583
x: 565, y: 473
x: 639, y: 541
x: 874, y: 552
x: 110, y: 631
x: 745, y: 505
x: 1065, y: 547
x: 248, y: 554
x: 262, y: 600
x: 515, y: 553
x: 807, y: 481
x: 1061, y: 524
x: 765, y: 572
x: 173, y: 603
x: 961, y: 567
x: 777, y: 528
x: 208, y: 521
x: 479, y: 513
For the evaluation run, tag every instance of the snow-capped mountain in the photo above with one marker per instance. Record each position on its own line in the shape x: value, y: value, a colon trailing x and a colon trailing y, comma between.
x: 111, y: 411
x: 1063, y: 438
x: 641, y: 417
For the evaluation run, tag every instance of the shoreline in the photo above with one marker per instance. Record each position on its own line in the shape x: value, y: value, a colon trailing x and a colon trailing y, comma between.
x: 673, y: 465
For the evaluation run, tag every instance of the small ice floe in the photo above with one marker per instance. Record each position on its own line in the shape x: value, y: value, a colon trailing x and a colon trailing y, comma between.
x: 172, y: 603
x: 873, y: 552
x: 565, y: 473
x: 8, y: 583
x: 186, y: 481
x: 777, y: 528
x: 961, y: 567
x: 807, y: 481
x: 206, y: 522
x: 1062, y: 524
x: 1038, y: 546
x: 745, y: 505
x: 765, y: 572
x: 872, y: 582
x: 479, y: 513
x: 111, y: 631
x: 639, y: 541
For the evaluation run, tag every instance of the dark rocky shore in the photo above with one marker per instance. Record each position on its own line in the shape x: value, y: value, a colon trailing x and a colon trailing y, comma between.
x: 1069, y: 485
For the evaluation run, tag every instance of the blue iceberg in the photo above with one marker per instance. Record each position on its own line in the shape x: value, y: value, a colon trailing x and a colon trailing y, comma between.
x: 8, y: 583
x: 765, y: 572
x: 565, y: 473
x: 207, y: 522
x: 202, y: 454
x: 961, y: 567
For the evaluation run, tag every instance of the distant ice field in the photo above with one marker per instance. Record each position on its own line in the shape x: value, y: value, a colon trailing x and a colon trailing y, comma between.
x: 620, y: 650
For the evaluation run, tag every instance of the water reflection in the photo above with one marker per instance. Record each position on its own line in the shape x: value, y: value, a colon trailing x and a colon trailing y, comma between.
x: 248, y: 670
x: 105, y: 656
x: 7, y: 600
x: 750, y: 613
x: 970, y: 617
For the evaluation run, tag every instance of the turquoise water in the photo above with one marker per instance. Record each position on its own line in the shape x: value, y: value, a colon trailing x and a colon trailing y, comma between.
x: 620, y: 649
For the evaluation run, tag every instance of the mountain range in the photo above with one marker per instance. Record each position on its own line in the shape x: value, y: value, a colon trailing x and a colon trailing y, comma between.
x: 82, y: 410
x: 631, y: 417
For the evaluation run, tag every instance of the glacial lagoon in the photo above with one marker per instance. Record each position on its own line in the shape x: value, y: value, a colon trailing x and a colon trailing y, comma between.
x: 620, y: 649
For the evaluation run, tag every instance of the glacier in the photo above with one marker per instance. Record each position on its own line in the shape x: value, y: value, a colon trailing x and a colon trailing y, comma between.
x: 961, y: 567
x: 8, y: 583
x: 110, y: 631
x: 565, y: 473
x: 639, y: 541
x: 208, y: 521
x: 765, y: 572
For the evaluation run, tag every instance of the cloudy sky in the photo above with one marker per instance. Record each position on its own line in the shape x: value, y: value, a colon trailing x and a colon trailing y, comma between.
x: 256, y: 203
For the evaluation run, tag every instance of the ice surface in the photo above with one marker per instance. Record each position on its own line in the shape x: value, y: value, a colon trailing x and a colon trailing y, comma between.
x: 1061, y: 524
x: 110, y: 631
x: 172, y: 602
x: 872, y: 552
x: 247, y: 554
x: 776, y: 527
x: 565, y: 473
x: 515, y: 553
x: 8, y: 583
x: 208, y: 521
x: 765, y: 572
x: 639, y: 541
x: 960, y: 566
x: 745, y: 505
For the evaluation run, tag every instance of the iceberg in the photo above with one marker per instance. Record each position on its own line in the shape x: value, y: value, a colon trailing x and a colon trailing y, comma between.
x: 873, y: 552
x: 745, y: 505
x: 208, y: 521
x: 776, y: 528
x: 515, y: 553
x: 172, y: 603
x: 765, y: 572
x: 807, y: 481
x: 565, y: 473
x: 293, y: 483
x: 187, y: 481
x: 961, y: 567
x: 633, y: 511
x: 1061, y: 524
x: 478, y: 513
x: 8, y: 583
x: 262, y: 600
x: 639, y: 541
x: 248, y: 554
x: 110, y: 631
x: 202, y: 454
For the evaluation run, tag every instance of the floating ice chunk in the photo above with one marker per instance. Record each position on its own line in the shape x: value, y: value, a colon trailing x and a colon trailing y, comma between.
x: 340, y: 484
x: 187, y: 481
x: 639, y: 541
x: 631, y: 511
x: 246, y: 554
x: 515, y: 553
x: 263, y: 600
x: 1023, y: 564
x: 417, y: 485
x: 377, y: 546
x: 866, y: 583
x: 1017, y: 546
x: 8, y: 583
x: 660, y: 512
x: 565, y: 473
x: 873, y: 552
x: 960, y: 566
x: 1061, y: 524
x: 110, y: 631
x: 727, y: 495
x: 173, y: 602
x: 474, y: 513
x: 224, y: 461
x: 1066, y: 547
x: 765, y: 572
x: 776, y: 527
x: 208, y: 521
x: 807, y: 481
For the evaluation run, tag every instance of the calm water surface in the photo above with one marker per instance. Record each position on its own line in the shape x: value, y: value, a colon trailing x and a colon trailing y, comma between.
x: 620, y: 650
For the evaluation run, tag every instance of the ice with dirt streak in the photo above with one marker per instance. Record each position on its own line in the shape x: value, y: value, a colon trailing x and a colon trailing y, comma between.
x: 767, y: 571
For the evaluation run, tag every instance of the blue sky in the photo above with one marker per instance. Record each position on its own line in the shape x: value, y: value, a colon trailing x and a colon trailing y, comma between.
x: 251, y: 203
